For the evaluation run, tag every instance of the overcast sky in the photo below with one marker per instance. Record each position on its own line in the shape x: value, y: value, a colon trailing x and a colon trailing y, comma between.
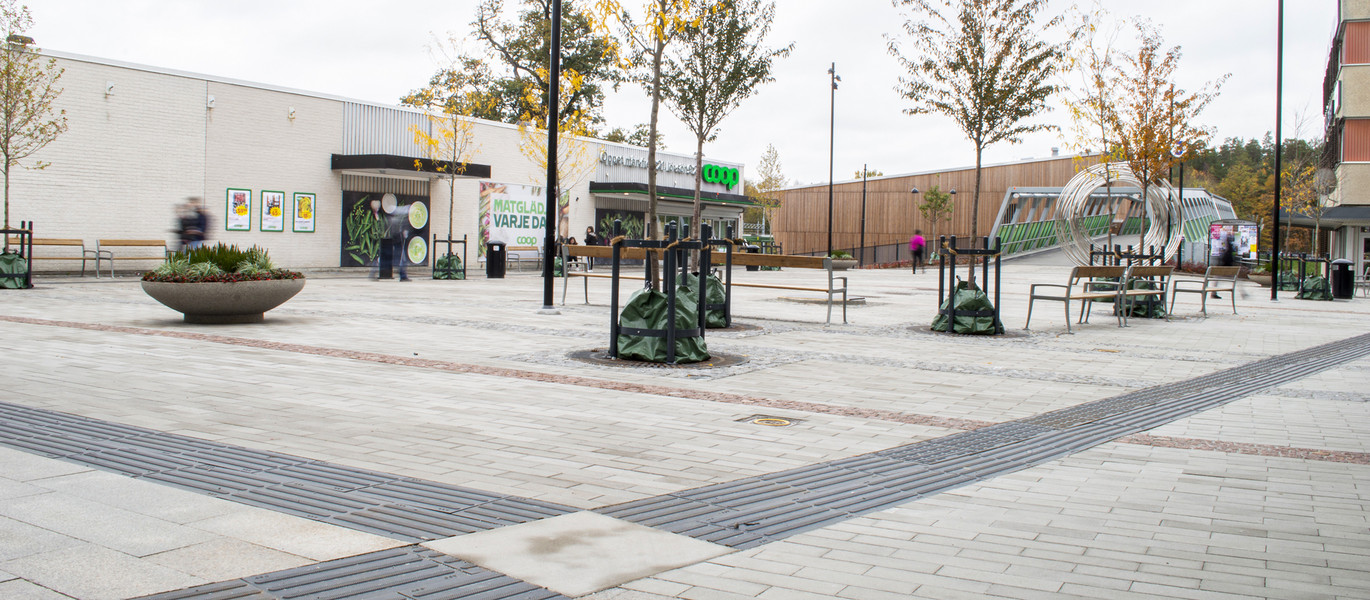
x: 377, y: 51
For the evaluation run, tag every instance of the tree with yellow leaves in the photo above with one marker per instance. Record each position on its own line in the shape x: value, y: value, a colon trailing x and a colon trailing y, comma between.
x: 574, y: 157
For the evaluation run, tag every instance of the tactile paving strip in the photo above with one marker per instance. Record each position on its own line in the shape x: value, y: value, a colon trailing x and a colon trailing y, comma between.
x: 757, y: 510
x: 402, y: 508
x: 408, y: 573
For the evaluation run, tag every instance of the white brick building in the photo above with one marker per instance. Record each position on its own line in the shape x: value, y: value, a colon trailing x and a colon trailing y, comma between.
x: 142, y: 139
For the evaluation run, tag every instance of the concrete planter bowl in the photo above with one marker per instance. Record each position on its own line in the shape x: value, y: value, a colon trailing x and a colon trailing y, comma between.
x: 224, y: 303
x: 842, y: 264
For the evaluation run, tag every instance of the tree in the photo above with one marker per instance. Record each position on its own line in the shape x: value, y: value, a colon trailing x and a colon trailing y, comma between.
x: 30, y: 120
x: 936, y: 207
x: 455, y: 95
x: 768, y: 188
x: 639, y: 136
x: 985, y: 67
x: 665, y: 21
x: 1090, y: 100
x: 521, y: 49
x: 867, y: 173
x: 720, y: 62
x: 574, y: 158
x: 1155, y: 116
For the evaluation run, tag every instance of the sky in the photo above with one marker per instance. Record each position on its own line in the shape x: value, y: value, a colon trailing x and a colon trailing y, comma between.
x: 378, y: 51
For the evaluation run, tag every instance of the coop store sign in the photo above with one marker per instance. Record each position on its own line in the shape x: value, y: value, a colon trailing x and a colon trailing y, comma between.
x: 724, y: 175
x: 727, y: 176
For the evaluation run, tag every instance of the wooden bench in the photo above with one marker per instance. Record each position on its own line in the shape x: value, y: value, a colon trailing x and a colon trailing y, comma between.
x: 1115, y: 284
x: 63, y: 242
x: 739, y: 259
x: 1216, y: 279
x: 104, y: 251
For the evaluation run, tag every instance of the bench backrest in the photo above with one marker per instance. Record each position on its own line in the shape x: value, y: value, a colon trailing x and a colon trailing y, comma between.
x: 1151, y: 272
x: 1222, y: 273
x: 148, y: 243
x: 52, y: 242
x: 1091, y: 272
x: 739, y: 258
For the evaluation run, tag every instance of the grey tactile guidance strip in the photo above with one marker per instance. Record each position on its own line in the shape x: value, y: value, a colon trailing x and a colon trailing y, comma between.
x: 402, y: 508
x: 408, y: 573
x: 753, y: 511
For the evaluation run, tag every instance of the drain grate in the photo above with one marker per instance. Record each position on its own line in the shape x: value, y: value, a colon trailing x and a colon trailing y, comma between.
x: 401, y: 508
x: 753, y: 511
x: 395, y: 574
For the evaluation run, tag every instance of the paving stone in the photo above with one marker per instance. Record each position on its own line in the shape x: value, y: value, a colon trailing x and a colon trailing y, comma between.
x: 95, y: 573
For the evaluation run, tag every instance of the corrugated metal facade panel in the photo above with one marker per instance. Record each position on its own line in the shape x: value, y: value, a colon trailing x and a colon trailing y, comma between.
x: 382, y: 185
x: 369, y: 129
x: 1355, y: 140
x: 1355, y: 48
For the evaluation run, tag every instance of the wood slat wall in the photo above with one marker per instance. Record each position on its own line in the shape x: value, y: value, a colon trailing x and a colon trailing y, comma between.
x: 801, y: 222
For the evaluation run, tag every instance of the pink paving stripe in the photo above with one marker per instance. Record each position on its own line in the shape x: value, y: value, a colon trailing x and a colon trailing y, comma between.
x: 1360, y: 458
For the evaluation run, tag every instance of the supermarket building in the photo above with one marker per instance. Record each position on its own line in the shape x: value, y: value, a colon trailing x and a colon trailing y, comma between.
x: 286, y: 169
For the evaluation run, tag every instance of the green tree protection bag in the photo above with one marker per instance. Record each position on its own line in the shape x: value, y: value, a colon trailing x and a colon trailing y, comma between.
x: 1315, y: 288
x: 716, y: 296
x: 12, y: 269
x: 978, y: 318
x: 448, y: 267
x: 646, y: 309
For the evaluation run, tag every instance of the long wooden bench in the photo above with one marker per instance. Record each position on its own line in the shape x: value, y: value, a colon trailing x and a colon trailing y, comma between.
x: 104, y: 251
x: 739, y: 259
x: 519, y: 259
x: 63, y: 243
x: 1115, y: 284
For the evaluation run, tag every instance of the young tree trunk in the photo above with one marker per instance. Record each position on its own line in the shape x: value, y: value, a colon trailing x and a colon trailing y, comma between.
x: 695, y: 223
x: 975, y: 204
x: 649, y: 228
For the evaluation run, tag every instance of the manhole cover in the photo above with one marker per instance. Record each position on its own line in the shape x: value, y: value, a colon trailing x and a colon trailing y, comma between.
x: 600, y: 356
x: 770, y: 420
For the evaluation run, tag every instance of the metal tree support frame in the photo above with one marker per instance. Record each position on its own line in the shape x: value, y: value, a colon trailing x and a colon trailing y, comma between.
x: 451, y: 242
x: 946, y: 279
x: 727, y: 307
x: 1118, y: 257
x: 25, y: 233
x: 1162, y: 207
x: 675, y: 253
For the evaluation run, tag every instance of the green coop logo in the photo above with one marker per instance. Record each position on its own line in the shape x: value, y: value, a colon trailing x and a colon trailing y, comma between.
x: 724, y: 175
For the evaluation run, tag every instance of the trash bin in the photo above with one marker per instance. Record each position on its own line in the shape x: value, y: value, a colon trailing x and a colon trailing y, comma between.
x: 1343, y: 281
x: 752, y: 249
x: 496, y: 255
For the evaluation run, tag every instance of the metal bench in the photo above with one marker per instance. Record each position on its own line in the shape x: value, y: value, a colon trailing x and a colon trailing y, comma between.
x: 1216, y: 279
x: 84, y: 256
x: 104, y: 251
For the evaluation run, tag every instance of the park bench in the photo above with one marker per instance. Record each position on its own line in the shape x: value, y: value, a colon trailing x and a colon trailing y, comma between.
x: 105, y: 249
x: 1118, y: 284
x: 739, y: 259
x: 1216, y: 279
x: 516, y: 255
x: 59, y: 243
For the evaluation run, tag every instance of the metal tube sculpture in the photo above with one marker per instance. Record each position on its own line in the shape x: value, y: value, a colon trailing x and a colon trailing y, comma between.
x: 1162, y: 209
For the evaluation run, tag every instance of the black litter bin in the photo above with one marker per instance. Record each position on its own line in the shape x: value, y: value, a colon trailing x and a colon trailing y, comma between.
x: 496, y: 254
x: 1343, y: 281
x: 752, y: 249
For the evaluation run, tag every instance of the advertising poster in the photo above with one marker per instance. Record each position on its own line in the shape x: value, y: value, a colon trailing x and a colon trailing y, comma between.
x: 238, y: 213
x: 304, y: 213
x: 513, y: 214
x: 1250, y: 234
x: 632, y: 223
x: 273, y: 211
x: 368, y: 216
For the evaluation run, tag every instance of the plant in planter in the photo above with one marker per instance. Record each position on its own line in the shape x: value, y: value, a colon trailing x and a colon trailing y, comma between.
x: 221, y: 284
x: 841, y: 260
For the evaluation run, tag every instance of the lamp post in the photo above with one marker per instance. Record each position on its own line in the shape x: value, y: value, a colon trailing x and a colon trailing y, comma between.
x: 832, y: 121
x: 1279, y: 147
x: 553, y: 95
x: 1178, y: 151
x: 861, y: 256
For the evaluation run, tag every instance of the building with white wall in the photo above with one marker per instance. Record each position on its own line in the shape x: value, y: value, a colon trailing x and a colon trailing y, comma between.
x: 142, y: 139
x: 1346, y: 93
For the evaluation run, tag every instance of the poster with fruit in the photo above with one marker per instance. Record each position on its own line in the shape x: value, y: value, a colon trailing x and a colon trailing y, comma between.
x: 239, y: 210
x: 304, y: 213
x: 370, y: 220
x: 273, y: 211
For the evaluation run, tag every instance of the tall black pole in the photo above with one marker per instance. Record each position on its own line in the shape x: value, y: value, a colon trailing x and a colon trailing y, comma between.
x: 1279, y: 147
x: 832, y: 122
x: 861, y: 259
x: 549, y: 242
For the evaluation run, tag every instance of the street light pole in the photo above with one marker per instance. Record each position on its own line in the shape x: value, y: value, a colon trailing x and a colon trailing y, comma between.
x: 861, y: 257
x: 1279, y: 147
x: 832, y: 122
x: 553, y: 95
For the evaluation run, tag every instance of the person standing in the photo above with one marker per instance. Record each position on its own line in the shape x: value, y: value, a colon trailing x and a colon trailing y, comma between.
x: 916, y: 247
x: 392, y: 240
x: 590, y: 240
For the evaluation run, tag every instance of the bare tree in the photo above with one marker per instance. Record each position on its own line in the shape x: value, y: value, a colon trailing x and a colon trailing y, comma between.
x: 984, y: 64
x: 30, y: 119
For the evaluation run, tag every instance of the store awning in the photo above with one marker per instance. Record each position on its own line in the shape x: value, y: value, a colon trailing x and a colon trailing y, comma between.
x: 1337, y: 216
x: 629, y: 188
x: 406, y: 167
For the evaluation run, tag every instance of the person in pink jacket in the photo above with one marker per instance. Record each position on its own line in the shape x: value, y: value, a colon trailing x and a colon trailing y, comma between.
x: 916, y: 247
